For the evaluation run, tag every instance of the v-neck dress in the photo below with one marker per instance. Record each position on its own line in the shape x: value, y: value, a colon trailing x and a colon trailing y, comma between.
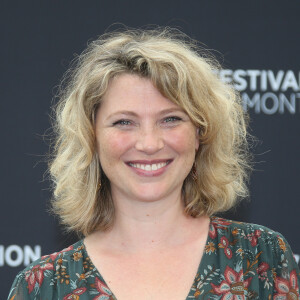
x: 240, y: 261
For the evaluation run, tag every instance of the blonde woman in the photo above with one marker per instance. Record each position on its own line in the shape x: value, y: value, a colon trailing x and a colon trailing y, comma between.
x: 150, y: 146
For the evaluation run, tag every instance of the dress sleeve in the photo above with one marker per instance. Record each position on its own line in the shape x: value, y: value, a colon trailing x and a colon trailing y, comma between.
x: 17, y: 291
x: 286, y: 272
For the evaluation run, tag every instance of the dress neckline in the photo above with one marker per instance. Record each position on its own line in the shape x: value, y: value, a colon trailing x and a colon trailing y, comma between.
x: 204, y: 258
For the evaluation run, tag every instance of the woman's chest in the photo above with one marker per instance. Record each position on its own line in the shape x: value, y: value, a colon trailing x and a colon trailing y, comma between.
x: 165, y: 275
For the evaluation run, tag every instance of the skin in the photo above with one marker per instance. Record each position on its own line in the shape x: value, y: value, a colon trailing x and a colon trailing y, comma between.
x: 151, y: 235
x: 137, y: 124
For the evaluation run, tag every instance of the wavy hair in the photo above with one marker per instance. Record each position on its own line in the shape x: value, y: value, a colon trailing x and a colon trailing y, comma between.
x: 183, y: 73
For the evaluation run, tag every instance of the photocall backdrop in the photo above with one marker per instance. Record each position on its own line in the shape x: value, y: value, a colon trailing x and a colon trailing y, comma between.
x: 258, y: 43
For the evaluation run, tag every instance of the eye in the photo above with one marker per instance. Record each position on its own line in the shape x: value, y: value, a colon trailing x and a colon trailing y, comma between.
x: 122, y: 122
x: 172, y: 119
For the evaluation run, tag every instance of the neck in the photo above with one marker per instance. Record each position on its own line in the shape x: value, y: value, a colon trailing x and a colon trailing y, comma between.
x: 149, y: 226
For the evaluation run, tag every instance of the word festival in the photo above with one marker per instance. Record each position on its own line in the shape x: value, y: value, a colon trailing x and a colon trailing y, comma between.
x: 266, y: 91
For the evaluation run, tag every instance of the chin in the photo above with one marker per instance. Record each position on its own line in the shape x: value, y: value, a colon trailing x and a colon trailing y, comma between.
x: 152, y: 193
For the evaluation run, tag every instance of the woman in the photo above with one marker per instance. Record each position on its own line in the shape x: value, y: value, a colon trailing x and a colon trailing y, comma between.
x: 150, y: 146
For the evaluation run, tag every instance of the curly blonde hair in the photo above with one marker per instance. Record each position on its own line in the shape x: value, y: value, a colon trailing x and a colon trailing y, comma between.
x: 182, y: 73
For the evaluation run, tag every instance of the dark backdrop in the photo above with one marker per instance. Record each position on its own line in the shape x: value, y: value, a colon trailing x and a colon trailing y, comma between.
x: 39, y: 39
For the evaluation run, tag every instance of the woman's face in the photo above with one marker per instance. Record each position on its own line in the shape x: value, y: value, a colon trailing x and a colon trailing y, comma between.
x: 146, y: 143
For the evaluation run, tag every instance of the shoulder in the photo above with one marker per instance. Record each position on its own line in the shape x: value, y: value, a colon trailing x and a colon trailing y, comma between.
x: 256, y: 255
x: 252, y: 240
x: 244, y: 231
x: 40, y: 278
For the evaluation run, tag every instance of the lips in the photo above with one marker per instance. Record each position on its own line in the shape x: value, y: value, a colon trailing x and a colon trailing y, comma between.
x: 149, y: 166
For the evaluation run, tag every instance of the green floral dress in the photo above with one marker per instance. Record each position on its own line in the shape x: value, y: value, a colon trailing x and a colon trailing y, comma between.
x: 240, y: 261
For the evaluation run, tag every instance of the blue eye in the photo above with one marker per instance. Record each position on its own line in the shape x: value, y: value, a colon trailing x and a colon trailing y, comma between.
x: 172, y: 119
x: 122, y: 122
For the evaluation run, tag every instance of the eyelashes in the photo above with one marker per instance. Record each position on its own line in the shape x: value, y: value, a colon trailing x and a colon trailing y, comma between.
x: 122, y: 122
x: 172, y: 120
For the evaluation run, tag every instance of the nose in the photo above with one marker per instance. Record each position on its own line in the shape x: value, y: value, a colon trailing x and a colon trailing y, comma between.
x: 149, y: 140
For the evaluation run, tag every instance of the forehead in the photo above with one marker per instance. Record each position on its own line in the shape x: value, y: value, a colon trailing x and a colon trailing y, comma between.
x: 132, y: 92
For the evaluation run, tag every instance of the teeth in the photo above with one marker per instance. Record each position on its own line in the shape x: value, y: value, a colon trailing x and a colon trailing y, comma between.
x: 148, y: 167
x: 154, y: 167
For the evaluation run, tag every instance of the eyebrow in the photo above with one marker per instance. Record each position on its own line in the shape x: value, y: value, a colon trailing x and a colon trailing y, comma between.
x: 132, y: 113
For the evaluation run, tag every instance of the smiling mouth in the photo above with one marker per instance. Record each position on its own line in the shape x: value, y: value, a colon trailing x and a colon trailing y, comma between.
x: 149, y: 167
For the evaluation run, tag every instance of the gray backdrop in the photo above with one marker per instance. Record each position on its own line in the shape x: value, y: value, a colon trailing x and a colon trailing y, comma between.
x: 258, y: 44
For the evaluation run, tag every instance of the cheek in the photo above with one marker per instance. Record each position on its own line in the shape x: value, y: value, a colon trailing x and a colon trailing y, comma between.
x: 183, y: 141
x: 111, y: 146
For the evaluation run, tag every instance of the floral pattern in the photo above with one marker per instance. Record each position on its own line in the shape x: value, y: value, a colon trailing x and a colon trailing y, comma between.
x: 287, y: 289
x: 240, y: 261
x: 36, y: 275
x: 75, y: 294
x: 234, y: 285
